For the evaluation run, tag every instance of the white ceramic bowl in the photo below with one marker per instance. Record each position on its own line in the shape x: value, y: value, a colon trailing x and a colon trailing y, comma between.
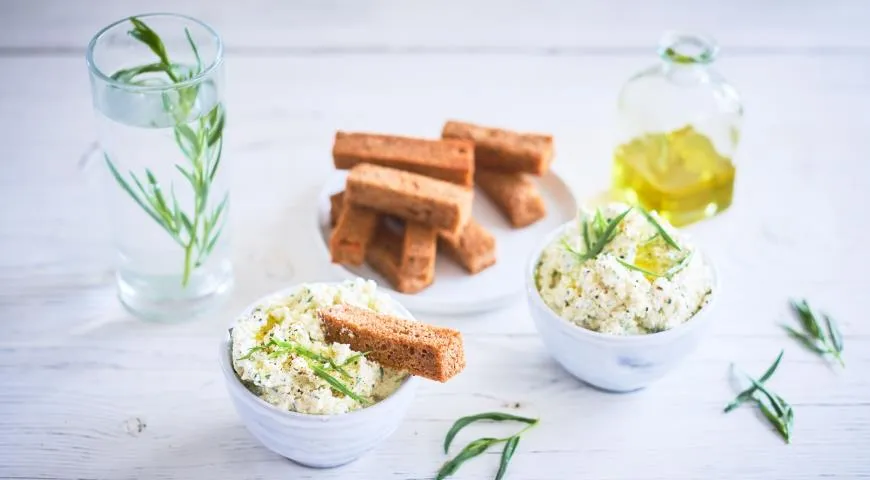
x: 319, y: 441
x: 614, y: 363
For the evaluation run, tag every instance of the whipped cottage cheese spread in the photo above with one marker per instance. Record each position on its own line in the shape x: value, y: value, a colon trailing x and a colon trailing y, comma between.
x: 637, y: 284
x: 278, y: 348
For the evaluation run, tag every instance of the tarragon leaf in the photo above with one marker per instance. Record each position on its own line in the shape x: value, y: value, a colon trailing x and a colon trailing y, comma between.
x: 747, y: 394
x: 492, y: 416
x: 195, y: 50
x: 470, y: 451
x: 606, y: 236
x: 661, y: 230
x: 149, y: 37
x: 808, y: 319
x: 337, y: 385
x: 128, y: 75
x: 808, y: 342
x: 834, y: 334
x: 509, y: 448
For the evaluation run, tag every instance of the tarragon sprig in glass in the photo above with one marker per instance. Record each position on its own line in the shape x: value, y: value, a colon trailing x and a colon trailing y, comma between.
x: 197, y: 231
x: 823, y: 341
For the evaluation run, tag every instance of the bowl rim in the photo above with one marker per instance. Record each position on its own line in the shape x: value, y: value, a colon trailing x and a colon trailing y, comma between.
x: 578, y: 331
x: 407, y: 386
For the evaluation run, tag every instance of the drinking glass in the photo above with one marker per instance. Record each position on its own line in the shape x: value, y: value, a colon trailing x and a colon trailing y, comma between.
x: 157, y: 82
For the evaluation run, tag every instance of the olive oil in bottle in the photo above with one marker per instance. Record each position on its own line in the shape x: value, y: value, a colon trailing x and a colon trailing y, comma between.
x: 679, y: 174
x: 679, y: 126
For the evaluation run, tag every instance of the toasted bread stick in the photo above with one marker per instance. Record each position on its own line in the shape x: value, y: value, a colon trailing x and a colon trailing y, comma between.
x: 515, y: 194
x: 450, y: 160
x: 335, y: 203
x: 473, y: 248
x: 423, y: 350
x: 504, y: 150
x: 384, y: 255
x: 351, y: 236
x: 418, y: 252
x: 411, y: 196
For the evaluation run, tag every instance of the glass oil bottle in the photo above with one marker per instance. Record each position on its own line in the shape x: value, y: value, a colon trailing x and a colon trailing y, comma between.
x: 679, y: 126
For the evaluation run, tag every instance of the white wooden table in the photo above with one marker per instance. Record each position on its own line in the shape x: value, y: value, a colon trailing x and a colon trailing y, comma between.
x: 86, y: 391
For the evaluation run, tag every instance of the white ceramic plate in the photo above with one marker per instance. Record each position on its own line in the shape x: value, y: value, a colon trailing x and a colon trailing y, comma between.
x: 454, y: 290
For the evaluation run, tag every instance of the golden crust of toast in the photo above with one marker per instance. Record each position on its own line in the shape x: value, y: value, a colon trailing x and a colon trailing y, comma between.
x: 474, y: 248
x: 335, y: 204
x: 418, y: 252
x: 423, y: 350
x: 515, y: 194
x: 384, y: 255
x: 351, y: 236
x: 504, y: 150
x: 410, y: 196
x: 451, y: 160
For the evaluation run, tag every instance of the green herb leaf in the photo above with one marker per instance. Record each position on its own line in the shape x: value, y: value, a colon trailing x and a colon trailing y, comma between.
x: 586, y: 242
x: 506, y: 454
x: 776, y: 421
x: 822, y: 342
x: 247, y: 356
x: 747, y: 394
x: 212, y: 242
x: 470, y: 451
x: 217, y: 159
x: 567, y: 246
x: 683, y: 263
x: 808, y: 343
x: 353, y: 358
x: 777, y: 411
x: 492, y: 416
x: 201, y: 227
x: 609, y: 231
x: 808, y: 320
x: 187, y: 140
x: 834, y: 334
x: 774, y: 400
x: 661, y: 231
x: 337, y: 385
x: 195, y: 50
x: 634, y: 267
x: 188, y: 225
x: 128, y: 74
x: 149, y: 37
x: 598, y: 220
x: 216, y: 125
x: 651, y: 239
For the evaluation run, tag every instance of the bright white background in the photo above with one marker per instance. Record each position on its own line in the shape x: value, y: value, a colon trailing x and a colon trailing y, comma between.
x: 77, y: 374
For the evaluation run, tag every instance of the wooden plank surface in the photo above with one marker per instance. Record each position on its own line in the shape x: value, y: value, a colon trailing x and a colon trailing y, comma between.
x: 88, y: 392
x: 513, y: 26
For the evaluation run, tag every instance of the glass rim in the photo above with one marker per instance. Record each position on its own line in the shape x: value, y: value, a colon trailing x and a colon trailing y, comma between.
x: 196, y: 79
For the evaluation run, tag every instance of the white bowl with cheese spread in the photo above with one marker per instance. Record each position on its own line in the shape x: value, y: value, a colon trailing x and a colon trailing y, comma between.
x: 318, y: 440
x: 633, y: 345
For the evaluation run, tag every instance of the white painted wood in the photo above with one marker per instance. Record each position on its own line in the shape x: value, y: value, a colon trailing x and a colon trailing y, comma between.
x: 76, y: 372
x: 542, y: 26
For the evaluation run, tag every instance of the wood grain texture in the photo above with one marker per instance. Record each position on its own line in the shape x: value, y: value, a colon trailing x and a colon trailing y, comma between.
x: 86, y: 391
x: 513, y: 26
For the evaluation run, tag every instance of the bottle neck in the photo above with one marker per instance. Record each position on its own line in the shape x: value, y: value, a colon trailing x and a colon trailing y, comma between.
x: 687, y: 49
x: 686, y: 57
